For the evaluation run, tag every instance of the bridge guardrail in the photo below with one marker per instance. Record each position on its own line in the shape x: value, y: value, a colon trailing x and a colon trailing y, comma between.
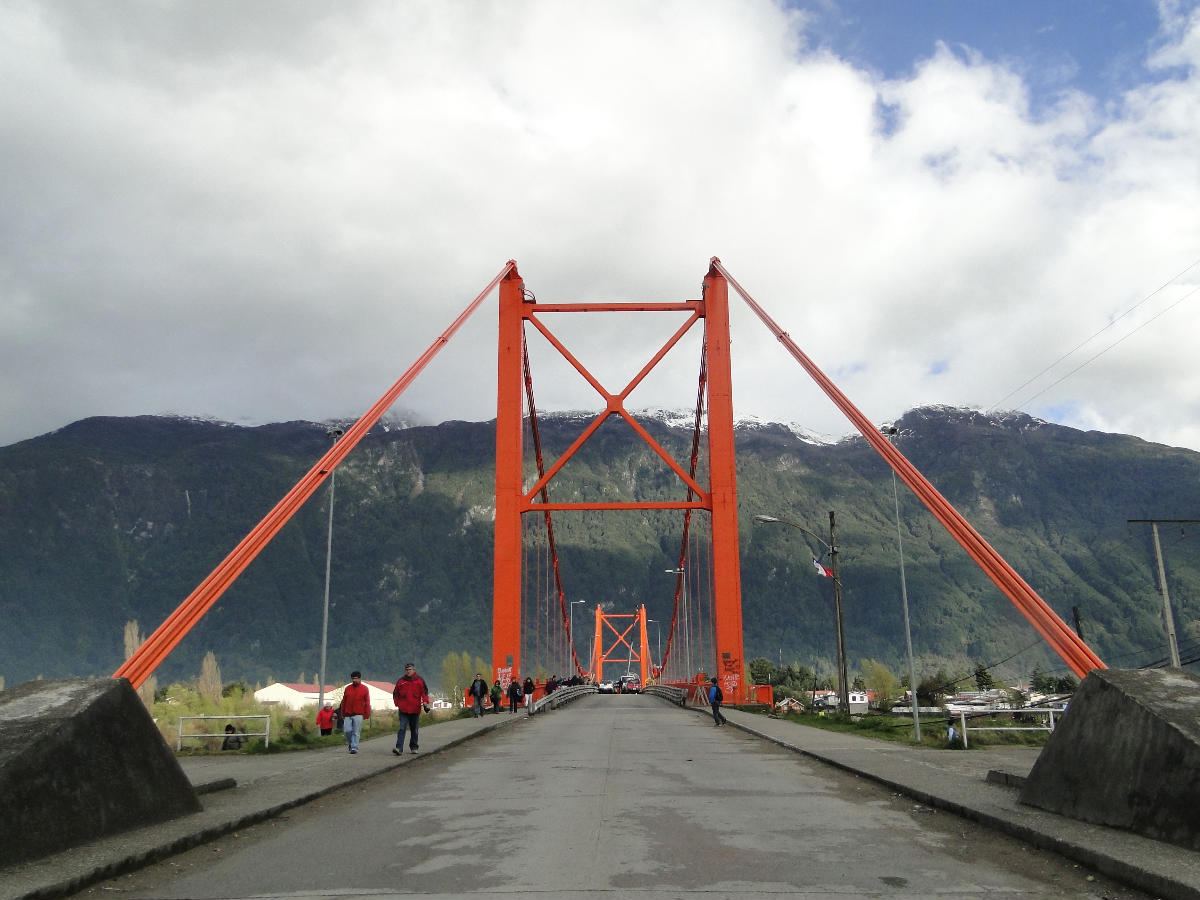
x: 678, y: 696
x: 561, y: 696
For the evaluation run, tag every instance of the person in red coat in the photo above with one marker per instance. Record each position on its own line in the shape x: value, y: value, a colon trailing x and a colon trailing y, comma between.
x: 411, y: 696
x: 356, y: 706
x: 325, y: 718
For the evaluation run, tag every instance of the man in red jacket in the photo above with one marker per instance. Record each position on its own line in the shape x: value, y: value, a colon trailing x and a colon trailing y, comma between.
x: 411, y: 695
x: 356, y: 706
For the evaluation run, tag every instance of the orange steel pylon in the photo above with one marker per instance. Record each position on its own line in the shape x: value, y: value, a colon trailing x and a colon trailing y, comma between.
x: 718, y: 497
x: 639, y: 653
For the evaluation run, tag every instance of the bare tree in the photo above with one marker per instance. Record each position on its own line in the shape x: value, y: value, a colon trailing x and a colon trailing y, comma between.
x: 210, y: 678
x: 134, y: 639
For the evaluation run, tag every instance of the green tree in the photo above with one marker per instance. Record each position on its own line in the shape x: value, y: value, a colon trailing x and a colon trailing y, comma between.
x: 1040, y: 681
x: 763, y: 671
x: 1066, y: 684
x: 983, y: 678
x: 458, y: 672
x: 878, y: 678
x: 932, y: 689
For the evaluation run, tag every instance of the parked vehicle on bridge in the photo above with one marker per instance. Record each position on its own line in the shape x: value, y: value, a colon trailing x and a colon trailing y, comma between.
x: 606, y: 687
x: 630, y: 684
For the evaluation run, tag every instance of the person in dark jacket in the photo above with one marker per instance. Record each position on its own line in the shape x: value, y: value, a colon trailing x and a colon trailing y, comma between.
x: 528, y: 687
x: 478, y: 692
x: 514, y: 694
x: 233, y: 740
x: 497, y: 694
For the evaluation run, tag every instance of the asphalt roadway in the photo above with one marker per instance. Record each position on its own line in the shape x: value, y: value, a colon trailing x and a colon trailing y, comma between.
x: 981, y: 785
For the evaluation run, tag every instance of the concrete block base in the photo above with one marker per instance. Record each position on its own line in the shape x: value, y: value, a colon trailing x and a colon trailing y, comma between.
x: 1126, y: 754
x: 81, y: 759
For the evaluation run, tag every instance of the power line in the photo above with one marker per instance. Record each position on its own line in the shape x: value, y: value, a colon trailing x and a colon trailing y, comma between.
x: 1110, y: 347
x: 1088, y: 340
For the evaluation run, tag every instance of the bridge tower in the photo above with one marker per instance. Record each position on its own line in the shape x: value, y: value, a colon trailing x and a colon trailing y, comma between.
x: 517, y: 309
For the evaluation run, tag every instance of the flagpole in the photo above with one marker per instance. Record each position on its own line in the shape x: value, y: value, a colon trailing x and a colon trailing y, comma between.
x: 843, y: 678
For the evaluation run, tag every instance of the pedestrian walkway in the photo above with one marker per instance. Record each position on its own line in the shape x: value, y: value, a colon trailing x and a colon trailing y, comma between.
x: 238, y: 790
x: 242, y: 789
x: 983, y: 785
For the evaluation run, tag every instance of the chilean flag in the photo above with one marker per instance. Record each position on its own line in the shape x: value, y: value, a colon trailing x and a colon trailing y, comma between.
x: 821, y: 570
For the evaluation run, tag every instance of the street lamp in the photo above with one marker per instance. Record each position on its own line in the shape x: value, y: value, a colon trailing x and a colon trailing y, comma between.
x: 658, y: 631
x: 843, y: 678
x: 334, y: 433
x: 891, y: 431
x: 571, y: 661
x: 687, y: 638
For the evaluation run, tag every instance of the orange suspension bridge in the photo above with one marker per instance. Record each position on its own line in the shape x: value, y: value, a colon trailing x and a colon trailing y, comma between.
x: 532, y: 611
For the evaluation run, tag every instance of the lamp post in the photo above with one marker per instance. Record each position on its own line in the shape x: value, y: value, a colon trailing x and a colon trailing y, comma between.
x: 658, y: 632
x: 891, y: 431
x: 843, y: 678
x: 334, y: 433
x: 687, y: 638
x: 571, y: 661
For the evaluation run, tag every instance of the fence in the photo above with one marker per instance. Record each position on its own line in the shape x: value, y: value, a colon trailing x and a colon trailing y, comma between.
x: 1049, y: 726
x: 676, y: 695
x: 265, y: 734
x: 561, y: 696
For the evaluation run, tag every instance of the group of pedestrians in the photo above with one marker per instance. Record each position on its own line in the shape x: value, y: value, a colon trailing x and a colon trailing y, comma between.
x: 520, y: 693
x: 410, y: 696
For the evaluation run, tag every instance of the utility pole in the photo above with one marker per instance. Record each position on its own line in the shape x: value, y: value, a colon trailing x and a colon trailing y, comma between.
x: 1168, y: 619
x: 844, y: 685
x: 334, y: 433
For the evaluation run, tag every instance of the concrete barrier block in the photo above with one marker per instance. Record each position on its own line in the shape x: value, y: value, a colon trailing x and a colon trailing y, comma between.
x: 1126, y: 754
x: 81, y: 759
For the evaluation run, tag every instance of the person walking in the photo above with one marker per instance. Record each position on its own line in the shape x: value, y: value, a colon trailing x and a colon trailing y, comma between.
x: 514, y: 694
x: 496, y: 695
x: 325, y: 718
x: 714, y: 700
x: 411, y: 696
x: 528, y: 688
x: 478, y: 692
x: 356, y: 707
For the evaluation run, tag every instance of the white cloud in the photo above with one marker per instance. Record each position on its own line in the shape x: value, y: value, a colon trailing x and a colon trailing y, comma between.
x: 268, y: 212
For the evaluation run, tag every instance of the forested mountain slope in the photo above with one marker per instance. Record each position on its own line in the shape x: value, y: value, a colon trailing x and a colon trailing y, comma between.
x: 110, y: 520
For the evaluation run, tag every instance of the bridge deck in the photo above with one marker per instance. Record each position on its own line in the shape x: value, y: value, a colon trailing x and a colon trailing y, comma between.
x: 654, y: 783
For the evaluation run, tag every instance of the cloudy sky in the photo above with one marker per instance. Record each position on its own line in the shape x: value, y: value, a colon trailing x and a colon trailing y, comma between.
x: 266, y: 211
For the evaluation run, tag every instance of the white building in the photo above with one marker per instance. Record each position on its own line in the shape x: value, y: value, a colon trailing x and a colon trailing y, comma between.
x: 297, y: 696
